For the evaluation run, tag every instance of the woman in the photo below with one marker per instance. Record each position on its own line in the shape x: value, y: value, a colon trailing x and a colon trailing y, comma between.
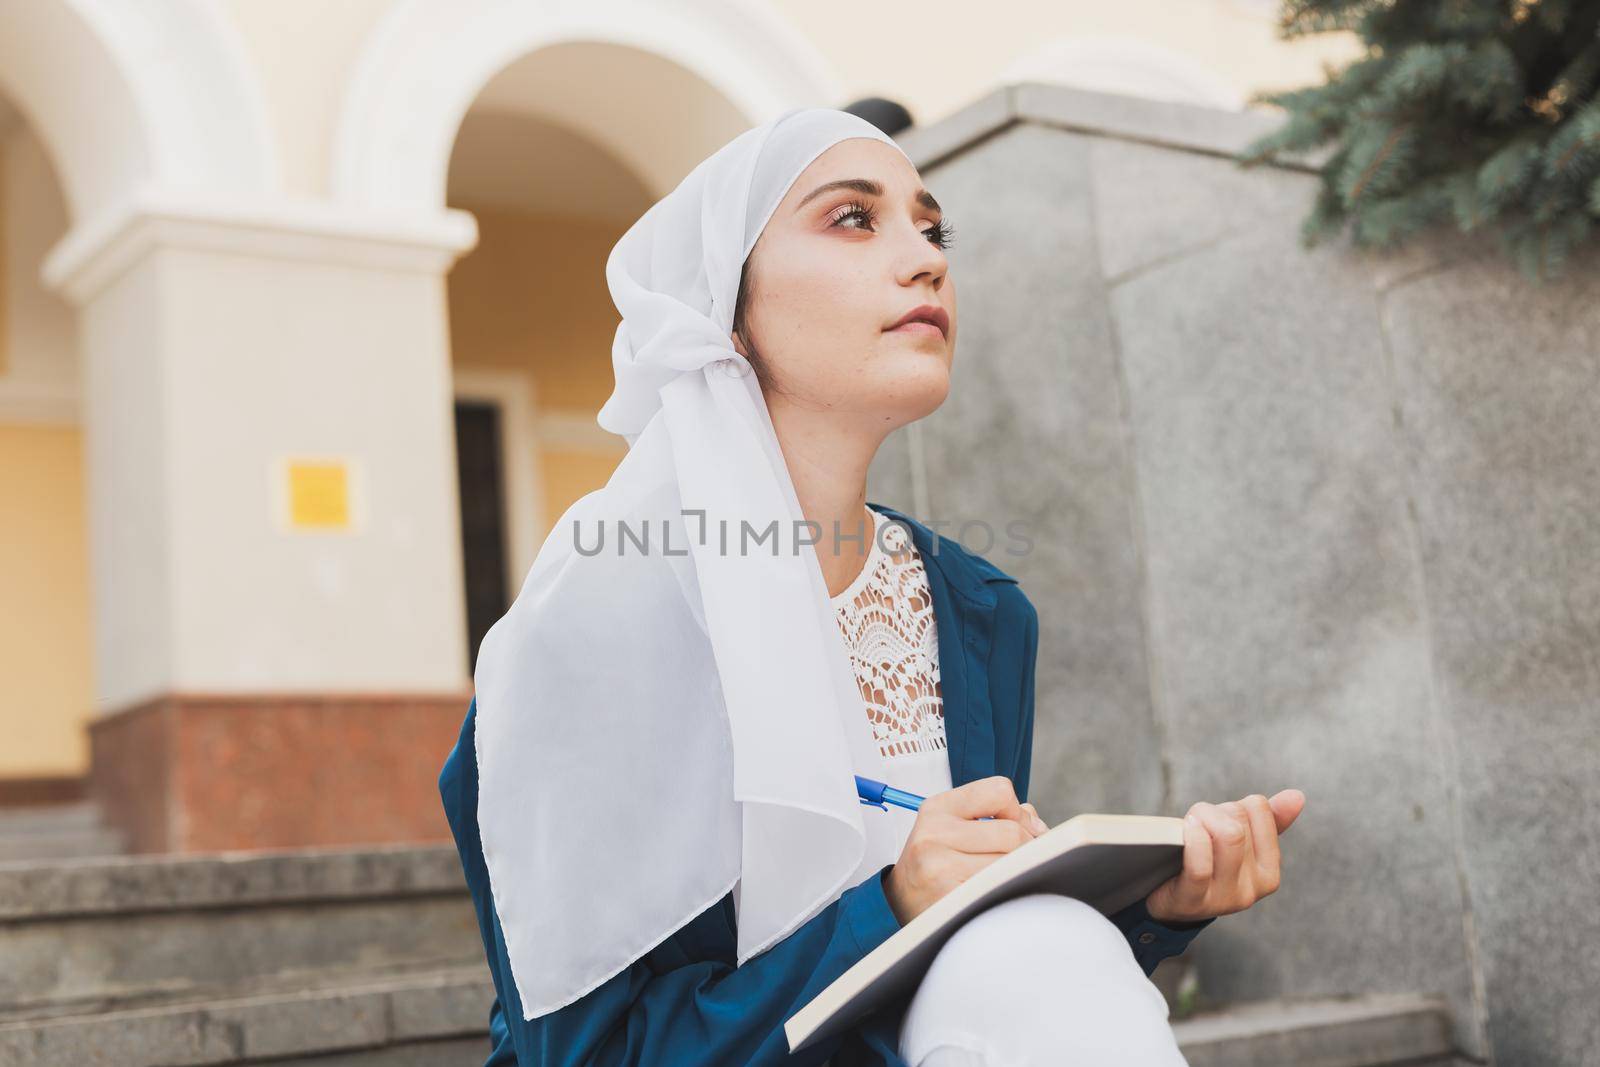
x: 652, y: 794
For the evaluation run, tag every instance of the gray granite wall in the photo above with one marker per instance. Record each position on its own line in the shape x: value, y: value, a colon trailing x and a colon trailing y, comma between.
x: 1318, y: 518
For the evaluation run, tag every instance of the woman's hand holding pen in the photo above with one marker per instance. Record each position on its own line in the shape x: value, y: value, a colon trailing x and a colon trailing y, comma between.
x: 951, y: 841
x: 1230, y: 857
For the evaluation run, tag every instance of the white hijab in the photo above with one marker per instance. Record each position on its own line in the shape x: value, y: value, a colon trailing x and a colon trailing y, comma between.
x: 658, y: 727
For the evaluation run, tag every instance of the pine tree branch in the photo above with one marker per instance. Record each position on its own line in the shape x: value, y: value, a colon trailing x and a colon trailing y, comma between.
x: 1379, y: 158
x: 1484, y: 110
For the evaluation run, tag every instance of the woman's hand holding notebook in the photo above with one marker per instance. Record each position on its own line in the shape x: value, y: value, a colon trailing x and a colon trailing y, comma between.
x: 1221, y: 857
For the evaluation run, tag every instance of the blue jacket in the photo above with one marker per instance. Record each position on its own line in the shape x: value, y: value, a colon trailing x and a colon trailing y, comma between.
x: 685, y: 1002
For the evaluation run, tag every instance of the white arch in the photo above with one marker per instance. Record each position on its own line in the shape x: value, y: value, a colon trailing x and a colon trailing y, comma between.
x: 427, y: 61
x: 128, y: 95
x: 1110, y: 64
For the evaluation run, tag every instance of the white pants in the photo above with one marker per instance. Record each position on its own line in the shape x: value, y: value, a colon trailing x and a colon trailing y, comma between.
x: 1040, y: 979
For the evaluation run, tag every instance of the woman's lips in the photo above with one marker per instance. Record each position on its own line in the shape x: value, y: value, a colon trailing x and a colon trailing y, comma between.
x: 927, y: 314
x: 917, y: 326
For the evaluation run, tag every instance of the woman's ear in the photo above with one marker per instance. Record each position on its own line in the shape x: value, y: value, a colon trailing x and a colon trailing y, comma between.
x: 738, y: 344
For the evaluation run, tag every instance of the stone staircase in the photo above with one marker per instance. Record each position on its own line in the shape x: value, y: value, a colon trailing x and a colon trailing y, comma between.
x: 55, y: 831
x: 330, y: 957
x: 371, y: 957
x: 1378, y: 1030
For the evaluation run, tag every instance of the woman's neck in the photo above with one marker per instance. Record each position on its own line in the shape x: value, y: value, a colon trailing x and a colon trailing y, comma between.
x: 829, y: 471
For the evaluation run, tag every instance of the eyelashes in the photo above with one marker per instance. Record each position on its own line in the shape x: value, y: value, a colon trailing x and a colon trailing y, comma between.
x: 941, y: 234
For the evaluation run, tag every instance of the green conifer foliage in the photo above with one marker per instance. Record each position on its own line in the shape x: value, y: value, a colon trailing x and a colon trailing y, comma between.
x: 1480, y: 113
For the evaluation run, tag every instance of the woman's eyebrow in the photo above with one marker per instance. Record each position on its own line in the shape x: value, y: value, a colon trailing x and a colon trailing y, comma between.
x: 868, y: 187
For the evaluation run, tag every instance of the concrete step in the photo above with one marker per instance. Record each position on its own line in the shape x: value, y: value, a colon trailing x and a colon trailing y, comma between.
x: 34, y: 846
x: 49, y: 818
x: 55, y: 831
x: 437, y: 1018
x: 90, y: 935
x: 1376, y: 1030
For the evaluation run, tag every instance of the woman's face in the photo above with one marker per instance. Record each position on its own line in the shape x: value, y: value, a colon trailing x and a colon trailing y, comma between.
x: 836, y: 267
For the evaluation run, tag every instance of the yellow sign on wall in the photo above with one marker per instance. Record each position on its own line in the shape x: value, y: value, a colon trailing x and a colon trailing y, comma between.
x: 319, y: 494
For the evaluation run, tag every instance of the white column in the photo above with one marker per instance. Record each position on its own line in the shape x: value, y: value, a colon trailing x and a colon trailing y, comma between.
x: 218, y: 343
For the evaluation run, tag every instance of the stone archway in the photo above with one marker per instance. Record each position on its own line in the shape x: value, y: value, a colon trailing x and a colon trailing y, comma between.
x: 466, y: 106
x: 427, y: 63
x: 131, y: 96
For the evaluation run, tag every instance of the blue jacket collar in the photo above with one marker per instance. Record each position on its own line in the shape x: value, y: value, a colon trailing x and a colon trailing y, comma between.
x: 941, y: 553
x: 964, y: 600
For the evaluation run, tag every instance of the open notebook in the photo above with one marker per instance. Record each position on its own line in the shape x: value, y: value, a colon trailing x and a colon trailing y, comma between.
x: 1107, y: 861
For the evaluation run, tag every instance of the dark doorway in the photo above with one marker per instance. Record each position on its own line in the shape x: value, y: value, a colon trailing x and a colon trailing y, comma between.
x: 483, y: 518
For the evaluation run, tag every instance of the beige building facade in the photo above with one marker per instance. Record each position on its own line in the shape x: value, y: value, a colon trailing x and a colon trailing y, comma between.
x: 303, y: 328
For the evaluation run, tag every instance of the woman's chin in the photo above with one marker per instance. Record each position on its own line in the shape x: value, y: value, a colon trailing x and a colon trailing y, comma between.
x: 918, y: 390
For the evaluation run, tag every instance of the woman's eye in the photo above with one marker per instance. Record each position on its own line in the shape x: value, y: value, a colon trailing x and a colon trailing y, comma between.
x: 939, y: 234
x: 856, y: 210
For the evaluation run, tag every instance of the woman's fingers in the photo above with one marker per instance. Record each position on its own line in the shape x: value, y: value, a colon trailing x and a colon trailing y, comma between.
x: 1199, y: 858
x: 958, y: 832
x: 1185, y: 895
x: 1286, y: 804
x: 1192, y: 889
x: 983, y: 835
x: 1230, y: 840
x: 992, y: 796
x: 1264, y: 842
x: 1231, y: 856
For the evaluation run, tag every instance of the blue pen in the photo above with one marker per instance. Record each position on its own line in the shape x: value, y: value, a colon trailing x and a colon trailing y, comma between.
x: 878, y: 794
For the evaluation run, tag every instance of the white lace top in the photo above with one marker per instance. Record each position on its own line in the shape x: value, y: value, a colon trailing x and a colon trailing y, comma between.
x: 886, y: 618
